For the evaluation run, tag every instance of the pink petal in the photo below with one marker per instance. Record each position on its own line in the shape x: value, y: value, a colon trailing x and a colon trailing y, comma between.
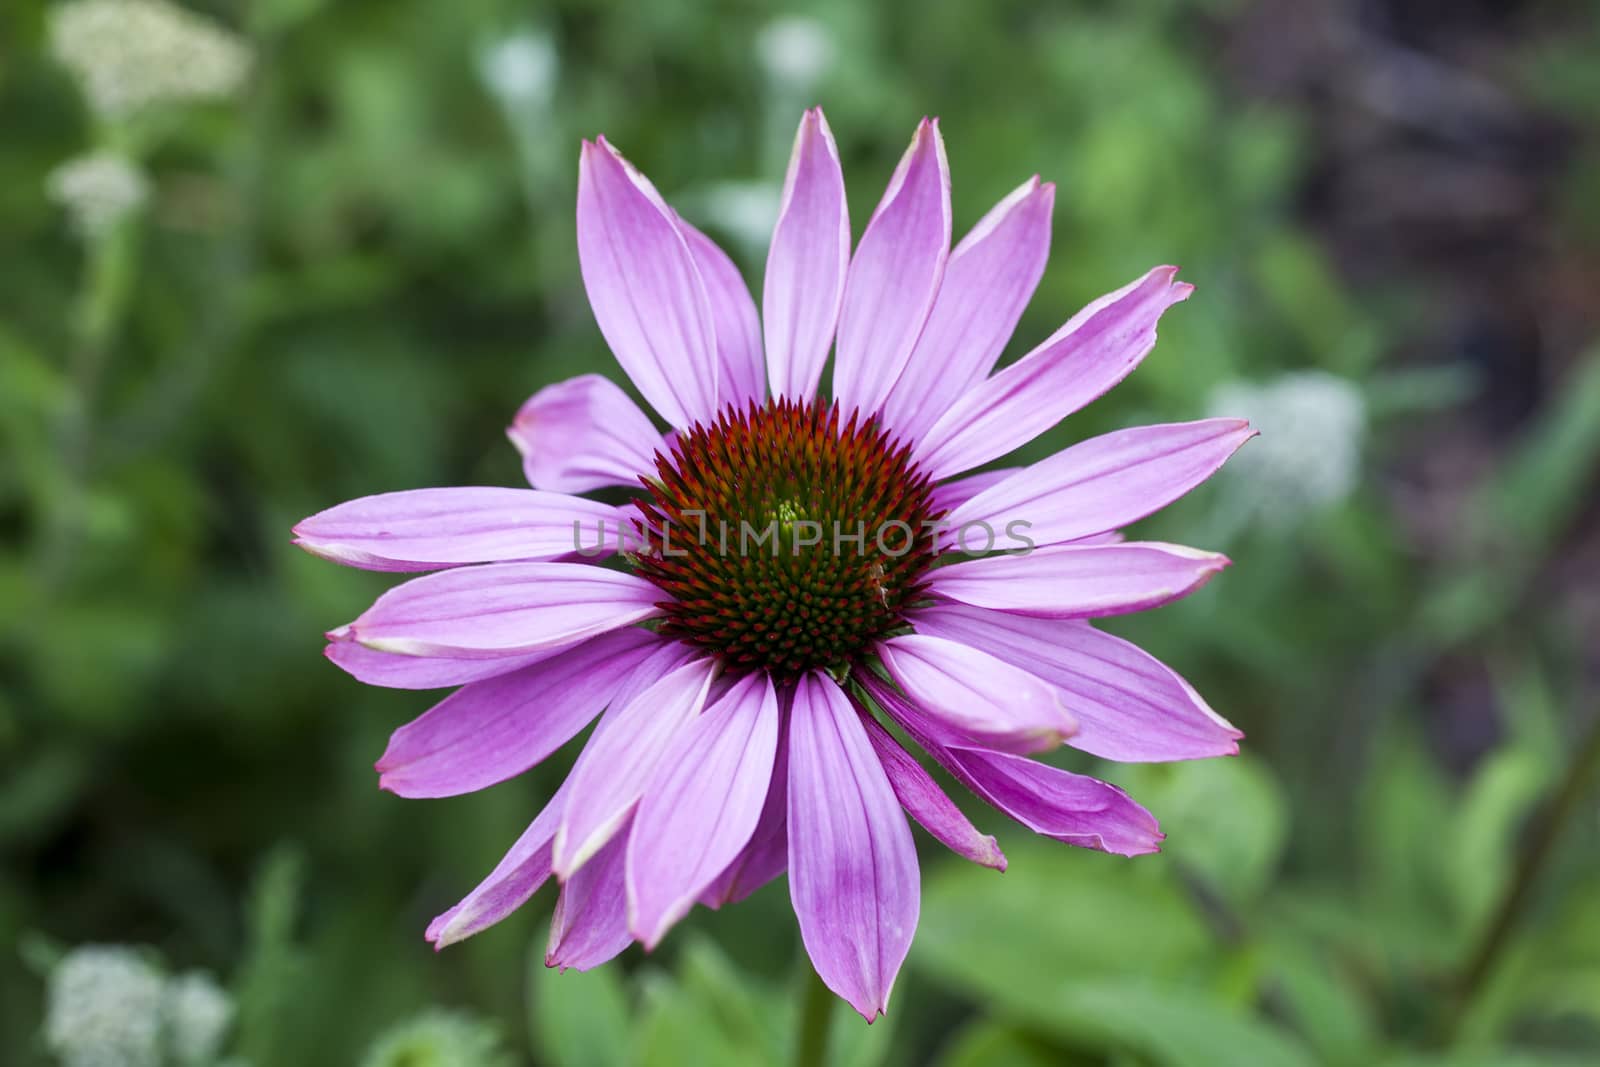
x: 701, y: 806
x: 852, y: 865
x: 1095, y: 350
x: 922, y: 798
x: 492, y: 730
x: 977, y: 695
x: 584, y: 434
x: 987, y: 283
x: 1072, y: 808
x: 1079, y: 581
x: 767, y: 854
x: 1105, y: 482
x: 1047, y: 800
x: 894, y: 276
x: 742, y: 376
x: 502, y: 609
x: 806, y: 264
x: 395, y: 671
x: 1130, y: 706
x: 426, y: 529
x: 951, y: 495
x: 515, y: 879
x: 590, y: 924
x: 647, y: 295
x: 626, y: 748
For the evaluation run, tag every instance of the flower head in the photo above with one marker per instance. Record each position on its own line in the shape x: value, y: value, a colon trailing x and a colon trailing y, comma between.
x: 792, y: 573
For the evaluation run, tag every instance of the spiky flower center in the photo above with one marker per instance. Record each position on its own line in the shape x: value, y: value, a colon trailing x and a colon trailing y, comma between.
x: 788, y: 538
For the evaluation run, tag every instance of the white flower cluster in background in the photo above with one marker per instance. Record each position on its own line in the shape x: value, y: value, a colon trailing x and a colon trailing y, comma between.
x: 129, y: 54
x: 198, y: 1013
x: 1308, y: 456
x: 98, y: 189
x: 746, y: 211
x: 795, y: 50
x: 105, y: 1009
x: 110, y: 1006
x: 521, y: 70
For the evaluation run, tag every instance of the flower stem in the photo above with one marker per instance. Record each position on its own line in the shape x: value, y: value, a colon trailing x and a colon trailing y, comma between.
x: 816, y: 1009
x: 1530, y: 864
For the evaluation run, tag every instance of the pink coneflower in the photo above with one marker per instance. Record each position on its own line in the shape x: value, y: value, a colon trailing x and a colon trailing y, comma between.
x: 789, y: 570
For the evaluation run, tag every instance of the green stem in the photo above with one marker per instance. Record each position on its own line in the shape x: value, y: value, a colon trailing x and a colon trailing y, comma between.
x: 108, y: 280
x: 1530, y: 864
x: 816, y: 1010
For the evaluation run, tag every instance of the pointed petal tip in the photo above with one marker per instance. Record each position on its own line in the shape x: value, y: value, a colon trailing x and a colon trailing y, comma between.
x: 437, y: 933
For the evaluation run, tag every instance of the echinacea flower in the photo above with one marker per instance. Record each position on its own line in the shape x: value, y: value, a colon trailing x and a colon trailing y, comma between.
x: 794, y: 574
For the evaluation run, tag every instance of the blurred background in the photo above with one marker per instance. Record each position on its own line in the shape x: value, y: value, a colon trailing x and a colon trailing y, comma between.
x: 259, y: 258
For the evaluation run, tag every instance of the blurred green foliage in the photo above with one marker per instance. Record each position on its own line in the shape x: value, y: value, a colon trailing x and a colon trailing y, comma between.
x: 346, y: 277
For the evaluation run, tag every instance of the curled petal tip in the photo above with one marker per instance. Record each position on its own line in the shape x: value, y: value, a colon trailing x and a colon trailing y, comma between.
x: 341, y: 633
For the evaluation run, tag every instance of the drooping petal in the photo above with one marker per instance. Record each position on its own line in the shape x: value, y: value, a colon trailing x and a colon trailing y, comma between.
x: 428, y: 529
x: 766, y: 855
x: 925, y: 802
x: 806, y: 264
x: 1072, y: 808
x: 395, y: 671
x: 1130, y: 706
x: 492, y: 730
x: 515, y: 879
x: 990, y: 277
x: 590, y: 923
x: 1095, y: 350
x: 584, y: 434
x: 951, y: 495
x: 1105, y: 482
x: 624, y: 751
x: 853, y: 874
x: 1079, y: 581
x: 1069, y: 807
x: 647, y: 295
x: 502, y: 609
x: 894, y: 276
x: 742, y: 375
x: 701, y: 806
x: 977, y: 695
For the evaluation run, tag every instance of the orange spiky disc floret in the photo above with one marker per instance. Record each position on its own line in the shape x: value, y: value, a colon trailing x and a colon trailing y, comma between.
x: 787, y: 539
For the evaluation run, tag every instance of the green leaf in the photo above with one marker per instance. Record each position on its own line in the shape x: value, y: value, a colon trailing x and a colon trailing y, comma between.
x: 577, y: 1018
x: 1487, y: 825
x: 986, y: 1043
x: 1078, y: 945
x: 1178, y: 1027
x: 1225, y: 819
x: 1323, y: 999
x: 1056, y: 912
x: 680, y: 1026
